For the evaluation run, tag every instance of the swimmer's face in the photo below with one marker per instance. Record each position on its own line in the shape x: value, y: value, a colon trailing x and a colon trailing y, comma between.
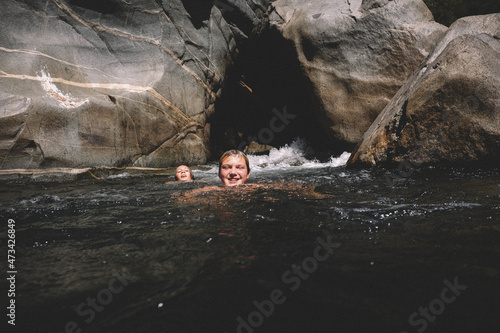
x: 183, y: 174
x: 233, y: 171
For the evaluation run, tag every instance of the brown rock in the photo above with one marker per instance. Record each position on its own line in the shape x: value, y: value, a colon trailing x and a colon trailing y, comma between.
x: 449, y: 111
x: 356, y: 55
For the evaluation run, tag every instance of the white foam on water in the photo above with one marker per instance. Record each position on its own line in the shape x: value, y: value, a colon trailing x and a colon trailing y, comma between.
x: 289, y: 157
x: 293, y: 156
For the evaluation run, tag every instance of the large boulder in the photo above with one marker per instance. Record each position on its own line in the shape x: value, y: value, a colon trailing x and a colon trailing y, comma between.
x: 355, y: 56
x: 109, y: 82
x: 449, y: 111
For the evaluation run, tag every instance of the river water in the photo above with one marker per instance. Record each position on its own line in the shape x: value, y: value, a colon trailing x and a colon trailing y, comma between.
x: 314, y: 247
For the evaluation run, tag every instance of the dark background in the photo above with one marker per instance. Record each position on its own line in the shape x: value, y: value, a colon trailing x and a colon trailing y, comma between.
x: 448, y: 11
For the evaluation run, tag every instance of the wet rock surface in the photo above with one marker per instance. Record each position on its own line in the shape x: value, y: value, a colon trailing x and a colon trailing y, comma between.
x: 151, y: 84
x: 355, y: 55
x: 449, y: 111
x: 85, y: 83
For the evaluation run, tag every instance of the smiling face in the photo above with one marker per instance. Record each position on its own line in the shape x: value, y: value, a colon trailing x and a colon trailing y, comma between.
x: 233, y: 171
x: 183, y: 174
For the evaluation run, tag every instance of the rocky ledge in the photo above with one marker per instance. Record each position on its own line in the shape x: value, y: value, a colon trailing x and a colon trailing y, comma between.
x: 449, y: 110
x: 111, y: 82
x: 87, y: 83
x: 355, y: 55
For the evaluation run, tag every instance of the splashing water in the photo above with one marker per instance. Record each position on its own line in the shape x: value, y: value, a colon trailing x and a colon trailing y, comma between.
x: 292, y: 157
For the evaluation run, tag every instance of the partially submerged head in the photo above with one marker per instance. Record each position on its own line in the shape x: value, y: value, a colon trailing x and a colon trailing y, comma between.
x: 184, y: 174
x: 234, y: 168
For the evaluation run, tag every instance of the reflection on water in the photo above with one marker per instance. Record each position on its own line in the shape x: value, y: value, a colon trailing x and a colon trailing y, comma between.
x: 133, y: 254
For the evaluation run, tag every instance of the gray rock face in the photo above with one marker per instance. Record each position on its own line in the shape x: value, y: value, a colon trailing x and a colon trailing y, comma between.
x: 356, y: 55
x: 449, y: 111
x: 86, y: 83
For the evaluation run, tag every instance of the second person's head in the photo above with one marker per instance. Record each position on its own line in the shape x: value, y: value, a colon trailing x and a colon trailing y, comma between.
x: 184, y: 174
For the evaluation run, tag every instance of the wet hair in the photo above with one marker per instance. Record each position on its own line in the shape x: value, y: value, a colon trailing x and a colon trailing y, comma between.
x: 234, y: 152
x: 190, y: 173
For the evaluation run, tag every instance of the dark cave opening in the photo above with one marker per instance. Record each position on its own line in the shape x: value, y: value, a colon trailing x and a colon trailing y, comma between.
x: 268, y: 99
x: 199, y: 11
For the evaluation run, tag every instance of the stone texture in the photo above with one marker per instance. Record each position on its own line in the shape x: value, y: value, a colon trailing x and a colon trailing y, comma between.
x: 356, y: 55
x: 255, y: 148
x: 449, y: 111
x: 114, y: 82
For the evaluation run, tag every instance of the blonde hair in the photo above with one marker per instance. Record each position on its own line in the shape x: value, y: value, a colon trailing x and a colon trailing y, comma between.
x: 234, y: 152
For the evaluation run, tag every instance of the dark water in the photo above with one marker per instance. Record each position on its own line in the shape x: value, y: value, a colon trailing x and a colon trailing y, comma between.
x: 132, y: 254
